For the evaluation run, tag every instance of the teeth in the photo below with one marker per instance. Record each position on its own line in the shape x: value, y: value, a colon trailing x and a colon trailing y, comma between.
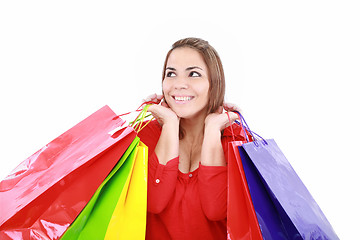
x: 182, y: 98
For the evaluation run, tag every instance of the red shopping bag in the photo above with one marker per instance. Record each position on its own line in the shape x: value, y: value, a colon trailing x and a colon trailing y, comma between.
x: 242, y: 222
x: 46, y: 192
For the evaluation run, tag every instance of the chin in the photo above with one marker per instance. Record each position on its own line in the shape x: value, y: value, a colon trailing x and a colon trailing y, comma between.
x: 180, y: 113
x: 188, y: 114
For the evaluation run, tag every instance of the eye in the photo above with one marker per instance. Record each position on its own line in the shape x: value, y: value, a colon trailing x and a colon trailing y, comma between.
x: 194, y: 74
x: 170, y: 74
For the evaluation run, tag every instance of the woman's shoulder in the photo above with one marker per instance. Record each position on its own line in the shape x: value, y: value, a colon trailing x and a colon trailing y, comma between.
x: 150, y: 134
x: 152, y: 124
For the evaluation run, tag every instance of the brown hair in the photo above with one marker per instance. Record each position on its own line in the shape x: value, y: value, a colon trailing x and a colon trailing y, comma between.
x: 213, y: 62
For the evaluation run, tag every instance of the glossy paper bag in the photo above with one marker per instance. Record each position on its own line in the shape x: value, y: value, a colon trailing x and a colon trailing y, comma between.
x: 241, y: 218
x: 284, y: 207
x: 45, y: 193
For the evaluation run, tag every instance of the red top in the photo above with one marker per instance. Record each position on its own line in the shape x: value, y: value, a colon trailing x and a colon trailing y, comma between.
x: 185, y: 206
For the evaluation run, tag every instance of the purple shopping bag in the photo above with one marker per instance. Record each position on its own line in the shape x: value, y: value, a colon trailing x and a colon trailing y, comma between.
x: 284, y: 207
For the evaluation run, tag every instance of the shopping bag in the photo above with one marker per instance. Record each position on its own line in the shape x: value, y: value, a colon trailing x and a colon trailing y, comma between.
x: 46, y: 192
x: 129, y: 217
x: 117, y: 210
x: 241, y: 218
x: 284, y: 207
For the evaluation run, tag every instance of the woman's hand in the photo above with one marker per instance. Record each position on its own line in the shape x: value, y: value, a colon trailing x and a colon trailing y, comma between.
x: 154, y: 98
x: 212, y: 153
x: 219, y: 120
x: 167, y: 147
x: 162, y: 113
x: 231, y: 107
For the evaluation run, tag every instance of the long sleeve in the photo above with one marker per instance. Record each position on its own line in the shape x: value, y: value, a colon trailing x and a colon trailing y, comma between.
x: 161, y: 183
x: 161, y: 178
x: 212, y: 182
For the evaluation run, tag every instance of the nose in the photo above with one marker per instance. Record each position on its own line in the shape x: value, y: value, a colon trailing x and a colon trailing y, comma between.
x: 181, y: 83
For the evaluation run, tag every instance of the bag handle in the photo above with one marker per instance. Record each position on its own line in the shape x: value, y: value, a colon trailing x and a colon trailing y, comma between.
x: 252, y: 133
x: 136, y: 124
x: 139, y: 109
x: 243, y: 124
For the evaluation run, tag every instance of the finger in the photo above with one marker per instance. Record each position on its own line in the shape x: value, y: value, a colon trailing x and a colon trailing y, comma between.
x: 148, y: 98
x: 164, y: 104
x: 228, y: 105
x: 159, y: 97
x: 153, y: 98
x: 150, y: 108
x: 154, y: 111
x: 233, y: 116
x: 231, y: 107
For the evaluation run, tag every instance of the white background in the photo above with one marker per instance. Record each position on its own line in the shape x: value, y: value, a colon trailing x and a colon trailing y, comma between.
x: 292, y: 67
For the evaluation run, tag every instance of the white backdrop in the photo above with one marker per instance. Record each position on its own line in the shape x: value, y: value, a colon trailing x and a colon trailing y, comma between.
x: 291, y: 66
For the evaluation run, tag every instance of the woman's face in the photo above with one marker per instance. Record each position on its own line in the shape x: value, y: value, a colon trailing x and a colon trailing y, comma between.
x: 186, y: 83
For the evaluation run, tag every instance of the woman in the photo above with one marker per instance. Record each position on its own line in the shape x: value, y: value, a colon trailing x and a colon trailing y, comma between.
x: 187, y: 185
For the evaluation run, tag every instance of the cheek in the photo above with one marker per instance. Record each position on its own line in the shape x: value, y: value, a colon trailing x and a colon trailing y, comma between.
x: 165, y: 86
x: 166, y: 89
x: 203, y: 89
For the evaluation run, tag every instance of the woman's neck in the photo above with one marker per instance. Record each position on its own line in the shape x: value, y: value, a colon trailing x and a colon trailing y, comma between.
x: 193, y: 128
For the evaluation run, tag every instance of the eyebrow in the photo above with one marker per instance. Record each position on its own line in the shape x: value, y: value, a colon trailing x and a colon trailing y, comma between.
x: 194, y: 67
x: 187, y: 69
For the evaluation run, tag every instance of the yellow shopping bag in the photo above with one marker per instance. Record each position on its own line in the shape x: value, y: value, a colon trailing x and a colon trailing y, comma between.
x: 128, y: 220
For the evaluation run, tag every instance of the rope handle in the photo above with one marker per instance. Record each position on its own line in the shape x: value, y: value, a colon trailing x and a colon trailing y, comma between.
x: 138, y: 123
x: 231, y: 128
x: 240, y: 122
x: 246, y: 128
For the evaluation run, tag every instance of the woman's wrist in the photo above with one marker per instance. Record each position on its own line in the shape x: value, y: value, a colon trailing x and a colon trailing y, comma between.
x: 172, y: 123
x: 212, y: 152
x: 171, y: 129
x: 211, y: 128
x: 167, y: 147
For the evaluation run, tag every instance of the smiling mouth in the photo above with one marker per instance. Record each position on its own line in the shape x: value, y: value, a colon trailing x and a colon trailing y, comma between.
x: 182, y: 99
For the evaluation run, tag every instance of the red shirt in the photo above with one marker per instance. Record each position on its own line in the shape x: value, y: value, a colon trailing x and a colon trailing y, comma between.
x: 185, y: 206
